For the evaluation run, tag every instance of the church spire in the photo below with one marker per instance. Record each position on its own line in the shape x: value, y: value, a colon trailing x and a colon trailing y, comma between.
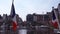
x: 12, y: 9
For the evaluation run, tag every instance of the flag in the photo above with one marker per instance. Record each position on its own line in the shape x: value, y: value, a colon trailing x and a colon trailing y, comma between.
x: 13, y: 15
x: 54, y: 20
x: 14, y: 23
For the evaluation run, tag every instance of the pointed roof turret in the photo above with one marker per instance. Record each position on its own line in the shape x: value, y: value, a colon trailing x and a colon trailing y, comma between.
x: 12, y: 14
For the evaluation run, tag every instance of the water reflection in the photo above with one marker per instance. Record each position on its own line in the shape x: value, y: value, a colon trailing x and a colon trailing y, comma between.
x: 23, y: 31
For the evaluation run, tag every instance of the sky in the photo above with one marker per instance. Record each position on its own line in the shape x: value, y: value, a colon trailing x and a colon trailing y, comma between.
x: 24, y: 7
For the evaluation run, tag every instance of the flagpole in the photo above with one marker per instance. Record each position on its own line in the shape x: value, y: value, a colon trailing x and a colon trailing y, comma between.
x: 12, y: 1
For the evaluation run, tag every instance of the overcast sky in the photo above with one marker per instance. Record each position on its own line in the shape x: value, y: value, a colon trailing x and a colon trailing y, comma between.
x: 24, y: 7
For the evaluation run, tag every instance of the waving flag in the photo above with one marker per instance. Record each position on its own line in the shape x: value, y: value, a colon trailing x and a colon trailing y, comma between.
x: 13, y: 15
x: 54, y: 20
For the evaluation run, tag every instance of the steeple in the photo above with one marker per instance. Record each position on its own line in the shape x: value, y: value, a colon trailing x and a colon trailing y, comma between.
x: 12, y: 14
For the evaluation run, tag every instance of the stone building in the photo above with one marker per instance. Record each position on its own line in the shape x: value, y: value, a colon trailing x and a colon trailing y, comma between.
x: 38, y: 23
